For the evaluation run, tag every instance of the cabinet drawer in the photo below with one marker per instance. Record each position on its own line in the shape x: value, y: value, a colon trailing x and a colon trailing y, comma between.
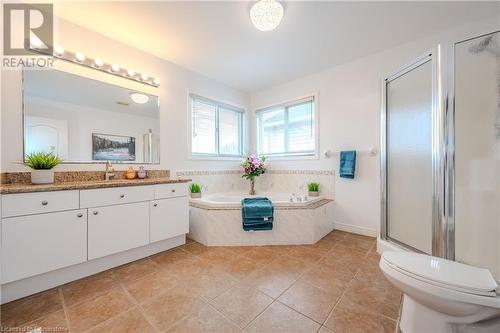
x: 163, y: 191
x: 41, y: 202
x: 116, y: 195
x: 114, y: 229
x: 37, y: 244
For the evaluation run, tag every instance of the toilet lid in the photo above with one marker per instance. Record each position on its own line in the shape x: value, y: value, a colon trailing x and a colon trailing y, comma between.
x: 445, y: 272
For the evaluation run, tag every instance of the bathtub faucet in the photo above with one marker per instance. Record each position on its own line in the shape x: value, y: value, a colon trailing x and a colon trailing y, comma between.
x: 295, y: 196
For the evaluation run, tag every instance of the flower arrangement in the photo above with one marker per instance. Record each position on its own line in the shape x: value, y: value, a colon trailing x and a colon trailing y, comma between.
x: 253, y: 166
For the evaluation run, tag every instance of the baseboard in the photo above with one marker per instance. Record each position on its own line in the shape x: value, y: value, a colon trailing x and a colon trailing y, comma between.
x: 32, y: 285
x: 355, y: 229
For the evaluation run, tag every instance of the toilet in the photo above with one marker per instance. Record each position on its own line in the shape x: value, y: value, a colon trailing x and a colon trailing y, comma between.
x: 442, y: 295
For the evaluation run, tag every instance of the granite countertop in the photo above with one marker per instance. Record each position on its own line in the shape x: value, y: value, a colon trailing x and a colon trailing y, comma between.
x: 84, y: 185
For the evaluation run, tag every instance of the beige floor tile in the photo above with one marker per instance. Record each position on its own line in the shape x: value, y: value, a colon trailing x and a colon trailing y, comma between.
x: 272, y: 282
x: 89, y: 287
x: 204, y: 320
x: 54, y: 322
x: 195, y: 248
x: 362, y: 243
x: 306, y: 253
x: 330, y: 279
x: 242, y: 304
x: 131, y: 321
x: 170, y: 257
x: 211, y: 283
x: 280, y: 318
x: 310, y: 301
x: 379, y: 297
x: 170, y: 307
x: 30, y: 308
x: 325, y: 329
x: 290, y: 265
x: 240, y: 267
x: 217, y: 255
x: 135, y: 270
x: 262, y: 255
x: 351, y: 318
x: 87, y: 314
x: 152, y: 285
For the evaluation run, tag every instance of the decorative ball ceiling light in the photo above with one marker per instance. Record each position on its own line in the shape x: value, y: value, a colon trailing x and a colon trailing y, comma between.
x: 266, y: 15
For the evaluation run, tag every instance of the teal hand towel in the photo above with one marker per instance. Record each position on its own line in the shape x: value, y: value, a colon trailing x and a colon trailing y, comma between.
x: 347, y: 164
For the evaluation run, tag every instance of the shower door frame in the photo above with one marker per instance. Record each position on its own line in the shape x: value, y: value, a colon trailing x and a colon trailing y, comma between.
x: 438, y: 153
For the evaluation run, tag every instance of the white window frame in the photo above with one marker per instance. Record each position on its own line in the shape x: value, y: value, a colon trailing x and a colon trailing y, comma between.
x: 241, y: 134
x: 286, y: 105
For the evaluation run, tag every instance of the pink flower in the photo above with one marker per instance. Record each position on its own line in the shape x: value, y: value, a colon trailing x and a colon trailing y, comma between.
x: 256, y: 163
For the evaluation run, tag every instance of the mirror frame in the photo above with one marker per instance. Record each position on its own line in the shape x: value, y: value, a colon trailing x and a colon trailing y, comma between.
x: 82, y: 162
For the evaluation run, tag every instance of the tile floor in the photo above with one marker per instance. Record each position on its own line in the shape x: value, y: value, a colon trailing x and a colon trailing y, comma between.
x: 332, y: 286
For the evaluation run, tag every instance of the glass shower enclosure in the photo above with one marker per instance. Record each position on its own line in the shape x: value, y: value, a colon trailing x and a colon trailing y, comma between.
x: 440, y: 153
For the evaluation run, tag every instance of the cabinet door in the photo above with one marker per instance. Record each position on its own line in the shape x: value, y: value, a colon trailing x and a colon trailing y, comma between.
x: 41, y: 243
x: 117, y: 228
x: 169, y: 218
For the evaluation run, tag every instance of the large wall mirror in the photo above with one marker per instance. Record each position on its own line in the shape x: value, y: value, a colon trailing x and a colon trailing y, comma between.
x: 88, y: 121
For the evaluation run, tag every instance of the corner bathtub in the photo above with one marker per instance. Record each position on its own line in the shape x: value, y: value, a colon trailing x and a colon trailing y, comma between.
x: 215, y: 220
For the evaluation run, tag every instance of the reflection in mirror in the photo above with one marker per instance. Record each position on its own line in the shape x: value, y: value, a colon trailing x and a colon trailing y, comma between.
x: 87, y: 121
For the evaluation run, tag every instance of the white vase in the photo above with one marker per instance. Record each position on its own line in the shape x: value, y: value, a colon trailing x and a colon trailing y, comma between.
x: 42, y: 176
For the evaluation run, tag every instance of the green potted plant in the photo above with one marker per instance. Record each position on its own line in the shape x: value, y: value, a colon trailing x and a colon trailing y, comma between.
x: 41, y: 165
x: 313, y: 189
x: 195, y: 190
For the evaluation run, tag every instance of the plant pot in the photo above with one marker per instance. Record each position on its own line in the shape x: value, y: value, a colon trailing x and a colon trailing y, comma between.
x: 313, y: 193
x: 42, y: 176
x: 196, y: 195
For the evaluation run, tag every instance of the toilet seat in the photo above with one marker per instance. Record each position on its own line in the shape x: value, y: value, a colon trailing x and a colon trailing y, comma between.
x: 442, y: 273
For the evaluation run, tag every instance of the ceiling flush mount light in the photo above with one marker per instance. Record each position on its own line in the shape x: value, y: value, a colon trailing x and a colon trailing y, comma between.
x: 266, y: 15
x: 139, y: 98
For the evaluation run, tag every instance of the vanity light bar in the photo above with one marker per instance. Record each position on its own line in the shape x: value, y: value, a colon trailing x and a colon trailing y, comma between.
x: 114, y: 69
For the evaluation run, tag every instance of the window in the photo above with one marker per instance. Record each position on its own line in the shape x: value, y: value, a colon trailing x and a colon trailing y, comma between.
x: 288, y: 129
x: 217, y: 128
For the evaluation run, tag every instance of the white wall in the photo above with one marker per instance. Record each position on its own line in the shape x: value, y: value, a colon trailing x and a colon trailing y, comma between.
x: 349, y: 99
x: 176, y: 82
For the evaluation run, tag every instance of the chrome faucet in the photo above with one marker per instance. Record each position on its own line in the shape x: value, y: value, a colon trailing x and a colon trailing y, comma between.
x: 109, y: 171
x: 295, y: 196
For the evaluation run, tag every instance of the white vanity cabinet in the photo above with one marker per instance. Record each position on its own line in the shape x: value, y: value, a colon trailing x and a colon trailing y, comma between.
x: 117, y: 228
x: 42, y: 232
x: 40, y: 243
x: 169, y: 218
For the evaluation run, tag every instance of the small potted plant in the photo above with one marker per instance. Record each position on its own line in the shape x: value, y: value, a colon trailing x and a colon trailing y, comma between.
x: 313, y: 189
x: 195, y: 190
x: 41, y: 164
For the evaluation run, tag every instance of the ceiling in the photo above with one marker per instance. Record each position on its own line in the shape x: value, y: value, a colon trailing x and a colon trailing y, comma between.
x: 59, y: 86
x: 217, y: 39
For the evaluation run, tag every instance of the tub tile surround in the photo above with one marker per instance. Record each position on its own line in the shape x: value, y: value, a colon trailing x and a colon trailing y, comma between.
x: 331, y: 286
x: 285, y: 181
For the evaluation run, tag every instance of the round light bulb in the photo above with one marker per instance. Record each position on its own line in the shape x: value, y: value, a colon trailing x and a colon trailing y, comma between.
x: 59, y: 50
x: 35, y: 42
x: 130, y: 72
x: 98, y: 62
x: 80, y: 57
x: 144, y: 77
x: 156, y: 81
x: 266, y: 15
x: 115, y: 68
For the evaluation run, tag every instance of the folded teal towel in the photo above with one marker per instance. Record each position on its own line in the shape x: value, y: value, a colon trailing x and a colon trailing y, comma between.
x: 347, y: 164
x: 257, y: 214
x: 257, y: 207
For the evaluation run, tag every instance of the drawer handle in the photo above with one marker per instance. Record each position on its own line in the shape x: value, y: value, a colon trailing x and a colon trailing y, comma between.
x: 122, y: 195
x: 173, y: 190
x: 155, y: 204
x: 44, y: 203
x: 79, y: 215
x: 95, y: 212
